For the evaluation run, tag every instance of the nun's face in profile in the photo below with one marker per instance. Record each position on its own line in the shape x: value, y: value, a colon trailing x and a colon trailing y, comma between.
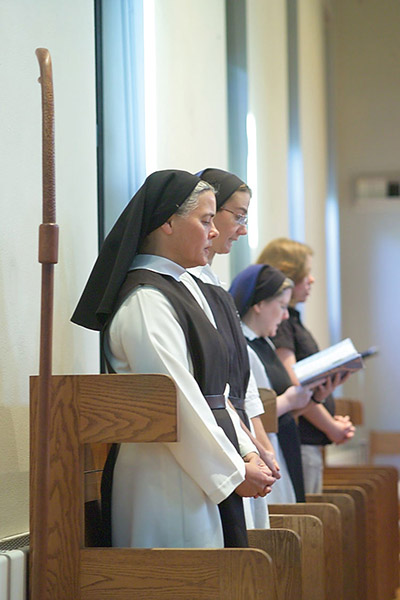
x: 191, y: 235
x: 227, y: 221
x: 272, y: 312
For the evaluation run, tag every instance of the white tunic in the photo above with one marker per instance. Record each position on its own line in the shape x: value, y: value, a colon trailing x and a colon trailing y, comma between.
x: 255, y: 509
x: 282, y: 490
x: 166, y: 494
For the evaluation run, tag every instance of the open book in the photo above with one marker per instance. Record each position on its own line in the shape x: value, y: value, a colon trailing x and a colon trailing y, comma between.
x: 340, y: 358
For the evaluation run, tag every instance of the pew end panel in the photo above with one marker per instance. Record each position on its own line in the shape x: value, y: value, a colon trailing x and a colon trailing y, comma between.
x: 270, y: 417
x: 310, y: 530
x: 175, y: 574
x: 332, y: 527
x: 96, y: 410
x: 346, y: 506
x: 284, y: 547
x: 352, y: 407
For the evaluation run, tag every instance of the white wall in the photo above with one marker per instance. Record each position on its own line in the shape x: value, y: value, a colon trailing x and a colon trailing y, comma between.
x: 66, y: 29
x: 367, y: 83
x: 268, y: 97
x: 313, y: 128
x: 268, y: 101
x: 191, y: 86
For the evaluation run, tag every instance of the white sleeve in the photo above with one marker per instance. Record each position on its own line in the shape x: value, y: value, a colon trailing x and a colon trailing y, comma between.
x: 145, y: 337
x: 253, y: 404
x: 245, y: 443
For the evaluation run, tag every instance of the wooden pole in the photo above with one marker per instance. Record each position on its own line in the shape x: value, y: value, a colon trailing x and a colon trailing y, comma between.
x: 48, y: 256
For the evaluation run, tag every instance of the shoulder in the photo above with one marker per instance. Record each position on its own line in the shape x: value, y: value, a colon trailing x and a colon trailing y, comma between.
x: 286, y: 335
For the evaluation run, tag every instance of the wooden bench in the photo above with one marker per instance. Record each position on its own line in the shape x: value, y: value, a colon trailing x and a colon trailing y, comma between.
x: 352, y: 407
x: 346, y: 506
x: 98, y: 409
x: 269, y: 418
x: 359, y: 497
x: 330, y: 517
x: 310, y: 530
x: 285, y: 548
x: 381, y: 527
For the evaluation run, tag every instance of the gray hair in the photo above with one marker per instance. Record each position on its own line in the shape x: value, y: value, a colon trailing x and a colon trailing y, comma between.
x: 192, y: 201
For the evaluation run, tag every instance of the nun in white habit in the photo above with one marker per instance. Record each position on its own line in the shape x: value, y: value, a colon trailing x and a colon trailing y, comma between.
x: 171, y: 494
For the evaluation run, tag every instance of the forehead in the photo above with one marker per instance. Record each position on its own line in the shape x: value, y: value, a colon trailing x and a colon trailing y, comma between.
x: 207, y: 202
x: 286, y: 294
x: 308, y: 263
x: 238, y: 201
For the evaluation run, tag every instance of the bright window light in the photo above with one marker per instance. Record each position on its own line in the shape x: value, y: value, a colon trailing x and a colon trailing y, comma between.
x: 252, y: 180
x: 333, y: 270
x: 150, y: 90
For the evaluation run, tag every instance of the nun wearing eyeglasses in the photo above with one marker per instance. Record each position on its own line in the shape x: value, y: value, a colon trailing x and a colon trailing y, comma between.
x: 233, y: 197
x: 188, y: 493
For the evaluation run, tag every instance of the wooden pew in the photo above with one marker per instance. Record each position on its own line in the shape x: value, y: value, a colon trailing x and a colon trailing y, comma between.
x: 359, y: 497
x: 332, y: 533
x: 310, y: 530
x: 352, y: 407
x: 98, y: 409
x: 346, y: 506
x: 382, y: 543
x: 269, y: 418
x: 285, y: 548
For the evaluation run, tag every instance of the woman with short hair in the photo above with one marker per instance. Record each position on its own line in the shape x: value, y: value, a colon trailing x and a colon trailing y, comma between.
x: 317, y: 426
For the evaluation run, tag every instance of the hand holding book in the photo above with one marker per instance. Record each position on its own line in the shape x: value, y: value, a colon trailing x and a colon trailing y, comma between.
x: 340, y: 359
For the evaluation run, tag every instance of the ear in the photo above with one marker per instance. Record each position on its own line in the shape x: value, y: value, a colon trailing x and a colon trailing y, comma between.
x: 257, y: 307
x: 167, y: 227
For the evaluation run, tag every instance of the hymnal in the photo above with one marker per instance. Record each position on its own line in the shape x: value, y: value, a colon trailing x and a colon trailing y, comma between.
x: 339, y: 358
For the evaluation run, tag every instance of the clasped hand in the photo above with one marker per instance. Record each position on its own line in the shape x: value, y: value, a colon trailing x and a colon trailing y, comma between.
x: 258, y: 478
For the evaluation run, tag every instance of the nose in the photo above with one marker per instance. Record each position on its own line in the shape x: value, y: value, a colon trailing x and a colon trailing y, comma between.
x: 311, y: 279
x: 242, y: 230
x: 213, y: 233
x: 285, y: 314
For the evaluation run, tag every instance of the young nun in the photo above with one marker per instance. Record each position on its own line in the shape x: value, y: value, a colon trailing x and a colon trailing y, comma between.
x: 262, y: 294
x: 188, y: 493
x: 233, y: 197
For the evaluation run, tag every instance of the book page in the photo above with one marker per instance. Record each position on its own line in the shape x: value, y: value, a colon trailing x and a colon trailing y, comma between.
x: 325, y: 359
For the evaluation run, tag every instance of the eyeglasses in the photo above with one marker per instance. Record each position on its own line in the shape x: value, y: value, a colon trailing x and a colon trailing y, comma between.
x: 240, y: 219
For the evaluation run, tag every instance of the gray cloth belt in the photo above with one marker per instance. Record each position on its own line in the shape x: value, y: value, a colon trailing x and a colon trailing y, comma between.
x: 217, y: 401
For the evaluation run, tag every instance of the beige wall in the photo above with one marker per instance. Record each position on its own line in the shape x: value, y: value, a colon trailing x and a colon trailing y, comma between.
x: 66, y: 28
x: 268, y: 101
x: 191, y: 83
x: 268, y: 97
x: 313, y: 131
x: 367, y: 101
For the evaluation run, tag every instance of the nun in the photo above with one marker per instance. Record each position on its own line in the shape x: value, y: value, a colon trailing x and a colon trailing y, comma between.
x: 188, y: 493
x: 262, y: 294
x: 233, y: 198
